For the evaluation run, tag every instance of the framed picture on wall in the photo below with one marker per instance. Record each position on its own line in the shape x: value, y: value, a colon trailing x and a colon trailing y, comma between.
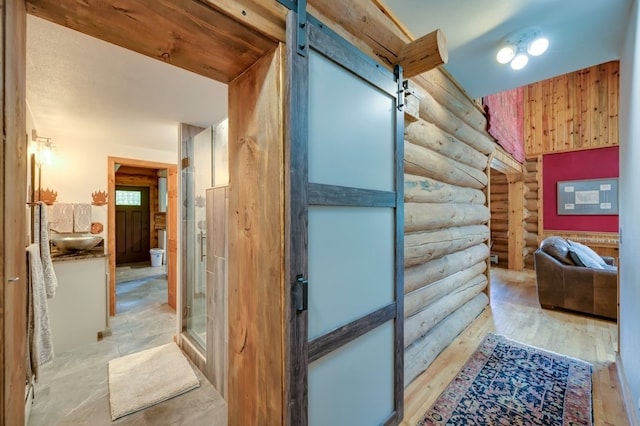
x: 591, y: 196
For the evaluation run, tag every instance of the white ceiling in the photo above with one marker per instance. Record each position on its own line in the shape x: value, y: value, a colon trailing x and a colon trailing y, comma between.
x: 581, y: 33
x: 82, y: 88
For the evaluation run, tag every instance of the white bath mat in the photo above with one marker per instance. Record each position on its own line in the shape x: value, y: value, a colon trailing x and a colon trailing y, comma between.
x: 146, y: 378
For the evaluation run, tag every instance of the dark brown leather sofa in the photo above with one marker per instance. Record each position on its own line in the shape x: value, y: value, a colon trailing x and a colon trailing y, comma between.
x: 562, y: 284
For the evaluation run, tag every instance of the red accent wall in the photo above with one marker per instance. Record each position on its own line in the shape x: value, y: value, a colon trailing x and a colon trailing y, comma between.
x: 505, y: 120
x: 576, y: 165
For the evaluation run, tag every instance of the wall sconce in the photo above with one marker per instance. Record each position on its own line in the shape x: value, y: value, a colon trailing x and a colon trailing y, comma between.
x: 43, y: 149
x: 517, y: 47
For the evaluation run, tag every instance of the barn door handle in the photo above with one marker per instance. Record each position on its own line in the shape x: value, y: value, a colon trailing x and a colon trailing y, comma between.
x: 301, y: 293
x: 202, y: 238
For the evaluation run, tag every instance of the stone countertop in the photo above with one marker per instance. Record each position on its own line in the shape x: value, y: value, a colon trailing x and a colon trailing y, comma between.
x: 87, y: 254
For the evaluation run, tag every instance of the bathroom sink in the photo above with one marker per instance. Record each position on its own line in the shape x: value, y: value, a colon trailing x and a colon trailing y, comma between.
x: 69, y: 243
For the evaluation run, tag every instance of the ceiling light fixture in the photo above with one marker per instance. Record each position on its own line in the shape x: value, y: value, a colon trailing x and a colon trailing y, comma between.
x: 516, y: 47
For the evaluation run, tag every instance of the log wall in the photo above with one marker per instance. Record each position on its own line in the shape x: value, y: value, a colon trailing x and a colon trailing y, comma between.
x: 499, y: 198
x: 573, y: 111
x: 531, y: 209
x: 447, y: 153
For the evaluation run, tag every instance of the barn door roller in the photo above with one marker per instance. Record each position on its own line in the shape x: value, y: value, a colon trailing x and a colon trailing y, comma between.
x: 300, y: 6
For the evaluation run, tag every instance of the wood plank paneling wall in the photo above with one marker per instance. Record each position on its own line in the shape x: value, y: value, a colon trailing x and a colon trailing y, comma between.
x: 447, y: 154
x: 573, y: 111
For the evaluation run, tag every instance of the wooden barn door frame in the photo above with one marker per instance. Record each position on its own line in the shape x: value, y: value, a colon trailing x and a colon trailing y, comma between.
x: 13, y: 196
x: 171, y: 249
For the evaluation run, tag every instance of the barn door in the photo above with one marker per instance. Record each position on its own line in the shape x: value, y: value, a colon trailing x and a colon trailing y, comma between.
x: 346, y: 236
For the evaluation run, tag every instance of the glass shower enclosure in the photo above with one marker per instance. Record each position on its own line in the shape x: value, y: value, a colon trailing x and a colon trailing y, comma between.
x: 204, y: 165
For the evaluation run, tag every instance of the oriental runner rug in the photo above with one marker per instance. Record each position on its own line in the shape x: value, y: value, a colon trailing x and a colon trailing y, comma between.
x: 510, y: 383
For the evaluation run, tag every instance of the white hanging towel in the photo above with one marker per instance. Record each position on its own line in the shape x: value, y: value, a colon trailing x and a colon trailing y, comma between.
x: 42, y: 236
x: 38, y: 330
x: 81, y: 217
x: 62, y: 217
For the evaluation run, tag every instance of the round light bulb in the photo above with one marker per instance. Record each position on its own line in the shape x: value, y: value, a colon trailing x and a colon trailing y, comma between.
x: 506, y: 54
x: 538, y: 46
x: 47, y: 156
x: 520, y: 61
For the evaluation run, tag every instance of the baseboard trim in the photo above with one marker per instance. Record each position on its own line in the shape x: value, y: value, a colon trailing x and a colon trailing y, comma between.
x: 629, y: 403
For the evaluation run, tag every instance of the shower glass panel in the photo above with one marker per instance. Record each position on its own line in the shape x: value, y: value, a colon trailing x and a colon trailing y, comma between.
x: 197, y: 177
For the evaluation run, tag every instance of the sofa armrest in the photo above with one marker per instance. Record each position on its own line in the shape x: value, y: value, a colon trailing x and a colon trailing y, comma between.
x: 550, y: 282
x: 605, y: 293
x: 578, y: 288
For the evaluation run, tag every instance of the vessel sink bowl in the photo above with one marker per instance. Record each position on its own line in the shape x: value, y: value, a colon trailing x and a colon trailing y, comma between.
x: 70, y: 243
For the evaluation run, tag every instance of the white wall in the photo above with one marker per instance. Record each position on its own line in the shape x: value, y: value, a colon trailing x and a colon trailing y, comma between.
x: 630, y: 206
x: 79, y: 167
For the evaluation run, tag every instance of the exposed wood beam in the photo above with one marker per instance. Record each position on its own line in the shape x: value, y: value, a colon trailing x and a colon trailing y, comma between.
x: 370, y: 20
x: 424, y: 54
x: 371, y: 27
x: 266, y: 17
x: 219, y: 39
x: 504, y: 163
x: 186, y: 33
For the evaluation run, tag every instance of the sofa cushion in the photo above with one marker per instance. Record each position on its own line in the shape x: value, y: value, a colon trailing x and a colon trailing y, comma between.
x: 558, y: 248
x: 584, y: 256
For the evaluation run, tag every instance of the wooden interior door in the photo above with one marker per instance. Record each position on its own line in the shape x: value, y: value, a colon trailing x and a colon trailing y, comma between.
x: 13, y: 194
x: 346, y: 237
x: 132, y: 225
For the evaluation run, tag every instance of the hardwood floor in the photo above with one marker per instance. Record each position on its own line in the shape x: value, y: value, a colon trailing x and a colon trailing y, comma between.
x: 516, y: 314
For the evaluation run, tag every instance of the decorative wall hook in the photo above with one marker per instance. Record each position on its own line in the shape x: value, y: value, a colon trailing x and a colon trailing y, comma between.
x: 47, y: 196
x: 99, y: 198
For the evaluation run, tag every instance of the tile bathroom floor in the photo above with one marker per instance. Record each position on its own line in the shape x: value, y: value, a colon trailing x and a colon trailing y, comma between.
x: 73, y: 389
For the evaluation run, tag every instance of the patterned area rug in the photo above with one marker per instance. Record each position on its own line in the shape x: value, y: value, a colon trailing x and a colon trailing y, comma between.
x: 509, y: 383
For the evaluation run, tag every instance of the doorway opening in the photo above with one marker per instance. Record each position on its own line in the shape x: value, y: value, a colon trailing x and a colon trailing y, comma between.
x: 499, y: 206
x: 507, y: 205
x: 239, y: 47
x: 140, y: 239
x: 140, y: 219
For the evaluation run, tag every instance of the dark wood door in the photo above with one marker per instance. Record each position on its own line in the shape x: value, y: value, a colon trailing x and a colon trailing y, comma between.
x: 132, y: 224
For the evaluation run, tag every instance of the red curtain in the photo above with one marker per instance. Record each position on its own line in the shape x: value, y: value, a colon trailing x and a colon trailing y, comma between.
x: 505, y: 112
